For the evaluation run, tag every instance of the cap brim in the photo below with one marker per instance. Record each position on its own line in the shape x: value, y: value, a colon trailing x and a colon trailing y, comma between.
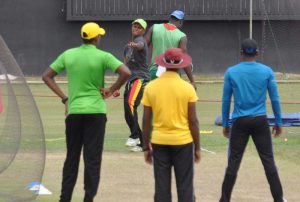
x: 101, y: 31
x: 177, y: 17
x: 186, y: 61
x: 138, y: 22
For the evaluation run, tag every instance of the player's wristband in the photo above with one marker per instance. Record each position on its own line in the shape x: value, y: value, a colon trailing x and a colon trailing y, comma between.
x: 64, y: 100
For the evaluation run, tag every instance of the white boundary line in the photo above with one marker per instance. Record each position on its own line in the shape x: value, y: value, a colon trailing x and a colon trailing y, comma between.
x: 55, y: 139
x: 202, y: 149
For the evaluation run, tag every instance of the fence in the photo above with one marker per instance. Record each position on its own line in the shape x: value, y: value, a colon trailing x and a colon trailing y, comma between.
x: 81, y: 10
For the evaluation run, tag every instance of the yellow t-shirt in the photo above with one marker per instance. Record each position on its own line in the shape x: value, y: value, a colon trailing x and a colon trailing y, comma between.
x: 168, y: 96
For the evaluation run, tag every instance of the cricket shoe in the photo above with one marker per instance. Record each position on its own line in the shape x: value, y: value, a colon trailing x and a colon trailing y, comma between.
x: 136, y: 149
x: 131, y: 142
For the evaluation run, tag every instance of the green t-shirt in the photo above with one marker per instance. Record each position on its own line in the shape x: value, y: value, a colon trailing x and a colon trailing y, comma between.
x: 85, y: 67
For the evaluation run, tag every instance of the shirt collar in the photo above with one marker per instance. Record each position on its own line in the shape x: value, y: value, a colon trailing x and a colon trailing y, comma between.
x: 170, y: 74
x: 170, y: 26
x: 88, y: 46
x: 248, y: 62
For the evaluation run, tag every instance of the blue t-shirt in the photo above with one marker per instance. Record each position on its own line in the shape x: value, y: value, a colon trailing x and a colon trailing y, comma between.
x: 249, y: 82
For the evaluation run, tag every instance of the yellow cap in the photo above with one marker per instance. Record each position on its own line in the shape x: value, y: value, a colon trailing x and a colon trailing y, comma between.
x: 91, y: 30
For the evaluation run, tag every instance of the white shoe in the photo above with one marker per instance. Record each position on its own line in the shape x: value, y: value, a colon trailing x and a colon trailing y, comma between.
x: 136, y: 149
x: 132, y: 142
x: 284, y: 200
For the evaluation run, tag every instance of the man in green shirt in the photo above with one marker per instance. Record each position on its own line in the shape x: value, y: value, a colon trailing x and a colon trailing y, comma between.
x: 85, y: 106
x: 162, y: 36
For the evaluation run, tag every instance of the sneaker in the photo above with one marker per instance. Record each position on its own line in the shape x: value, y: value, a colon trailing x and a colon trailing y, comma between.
x: 284, y: 200
x: 132, y: 142
x: 136, y: 149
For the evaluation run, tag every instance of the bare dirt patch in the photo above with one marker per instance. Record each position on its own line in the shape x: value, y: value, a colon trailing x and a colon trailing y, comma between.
x: 125, y: 177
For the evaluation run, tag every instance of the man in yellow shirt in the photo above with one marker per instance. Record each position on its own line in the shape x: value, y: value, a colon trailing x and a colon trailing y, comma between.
x: 170, y: 106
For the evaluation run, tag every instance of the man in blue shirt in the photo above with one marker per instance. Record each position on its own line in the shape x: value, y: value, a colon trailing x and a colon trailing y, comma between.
x: 249, y: 83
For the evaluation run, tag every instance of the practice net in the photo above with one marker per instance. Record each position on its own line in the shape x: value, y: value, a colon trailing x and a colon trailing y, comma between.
x: 276, y: 28
x: 22, y: 147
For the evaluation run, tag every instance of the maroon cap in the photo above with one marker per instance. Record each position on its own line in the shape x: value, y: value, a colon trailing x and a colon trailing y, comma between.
x: 173, y: 58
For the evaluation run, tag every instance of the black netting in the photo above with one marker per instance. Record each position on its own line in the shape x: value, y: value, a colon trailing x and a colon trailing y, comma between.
x: 22, y: 147
x: 215, y: 45
x: 279, y: 40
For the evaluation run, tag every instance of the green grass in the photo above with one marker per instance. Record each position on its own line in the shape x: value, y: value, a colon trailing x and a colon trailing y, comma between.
x: 208, y: 108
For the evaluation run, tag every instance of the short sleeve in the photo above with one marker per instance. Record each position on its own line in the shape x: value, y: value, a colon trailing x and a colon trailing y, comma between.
x: 139, y: 40
x: 59, y: 64
x: 145, y: 99
x: 193, y: 95
x: 112, y: 62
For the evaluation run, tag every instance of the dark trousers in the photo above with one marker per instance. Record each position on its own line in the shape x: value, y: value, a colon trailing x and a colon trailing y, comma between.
x: 258, y: 129
x: 83, y: 131
x: 132, y: 97
x: 180, y: 157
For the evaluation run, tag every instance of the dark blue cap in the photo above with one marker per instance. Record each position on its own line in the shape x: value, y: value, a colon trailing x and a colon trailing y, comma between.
x: 178, y: 14
x: 249, y: 47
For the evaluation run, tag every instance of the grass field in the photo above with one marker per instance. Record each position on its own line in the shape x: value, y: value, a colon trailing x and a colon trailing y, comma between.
x: 125, y: 176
